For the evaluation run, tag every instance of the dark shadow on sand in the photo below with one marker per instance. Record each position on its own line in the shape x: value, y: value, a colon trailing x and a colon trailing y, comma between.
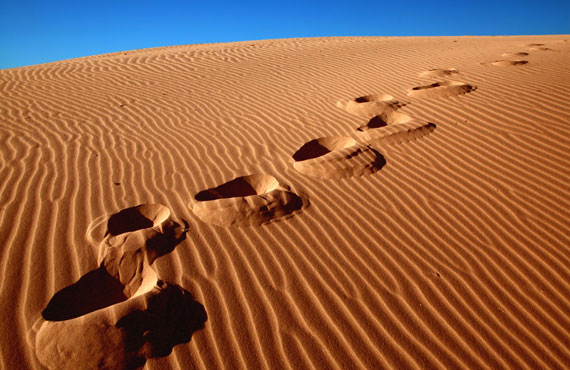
x: 171, y: 318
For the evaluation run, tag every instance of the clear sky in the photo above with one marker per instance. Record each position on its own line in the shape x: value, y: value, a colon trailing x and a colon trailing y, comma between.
x: 39, y: 31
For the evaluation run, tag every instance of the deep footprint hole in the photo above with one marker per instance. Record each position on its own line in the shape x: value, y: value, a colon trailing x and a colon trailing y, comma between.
x: 436, y: 84
x: 136, y: 218
x: 319, y: 147
x: 240, y: 187
x: 374, y: 98
x: 95, y: 290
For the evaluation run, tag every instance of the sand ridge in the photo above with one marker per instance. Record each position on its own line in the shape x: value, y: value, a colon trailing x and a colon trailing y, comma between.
x: 235, y: 206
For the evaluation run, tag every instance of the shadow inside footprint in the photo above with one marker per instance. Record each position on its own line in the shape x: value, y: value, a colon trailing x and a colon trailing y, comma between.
x: 95, y: 290
x: 321, y: 146
x: 170, y: 318
x: 385, y: 119
x: 136, y: 218
x: 375, y: 122
x: 240, y: 187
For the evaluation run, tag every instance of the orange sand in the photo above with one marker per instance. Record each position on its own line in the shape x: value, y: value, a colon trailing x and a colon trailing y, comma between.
x: 331, y: 203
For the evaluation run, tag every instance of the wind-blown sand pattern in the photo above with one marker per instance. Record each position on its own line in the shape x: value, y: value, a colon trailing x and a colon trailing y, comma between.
x: 452, y: 252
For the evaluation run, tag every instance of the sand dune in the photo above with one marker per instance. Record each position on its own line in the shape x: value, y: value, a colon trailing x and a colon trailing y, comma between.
x: 329, y: 203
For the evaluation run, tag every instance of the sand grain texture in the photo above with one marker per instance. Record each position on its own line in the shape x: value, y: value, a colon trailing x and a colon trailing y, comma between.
x: 285, y: 204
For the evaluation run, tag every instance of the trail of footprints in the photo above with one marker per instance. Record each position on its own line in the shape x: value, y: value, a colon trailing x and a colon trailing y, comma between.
x: 154, y: 316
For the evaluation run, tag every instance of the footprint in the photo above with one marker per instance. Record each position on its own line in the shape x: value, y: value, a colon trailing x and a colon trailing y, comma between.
x: 539, y: 48
x: 441, y: 89
x: 318, y: 147
x: 337, y: 157
x: 511, y: 55
x: 145, y: 327
x: 506, y: 63
x: 369, y: 105
x: 127, y: 220
x: 439, y: 73
x: 399, y: 133
x: 385, y: 119
x: 120, y: 314
x: 248, y: 200
x: 124, y: 272
x: 135, y: 218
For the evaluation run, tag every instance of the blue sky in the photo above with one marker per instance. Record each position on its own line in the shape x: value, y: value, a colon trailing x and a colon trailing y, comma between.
x: 34, y: 32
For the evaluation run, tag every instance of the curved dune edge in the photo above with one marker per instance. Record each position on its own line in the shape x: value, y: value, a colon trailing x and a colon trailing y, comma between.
x: 441, y: 89
x: 247, y: 201
x: 369, y: 105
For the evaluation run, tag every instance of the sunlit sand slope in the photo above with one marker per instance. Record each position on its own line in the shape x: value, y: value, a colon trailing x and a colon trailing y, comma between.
x: 331, y: 203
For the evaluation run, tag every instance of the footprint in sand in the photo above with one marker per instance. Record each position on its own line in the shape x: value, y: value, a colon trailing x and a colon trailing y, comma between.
x: 393, y: 128
x: 248, y: 200
x: 513, y: 55
x: 385, y: 119
x: 369, y: 105
x: 506, y: 63
x: 120, y: 314
x: 537, y: 47
x: 337, y: 157
x: 110, y: 226
x: 439, y: 73
x: 441, y: 89
x: 398, y: 133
